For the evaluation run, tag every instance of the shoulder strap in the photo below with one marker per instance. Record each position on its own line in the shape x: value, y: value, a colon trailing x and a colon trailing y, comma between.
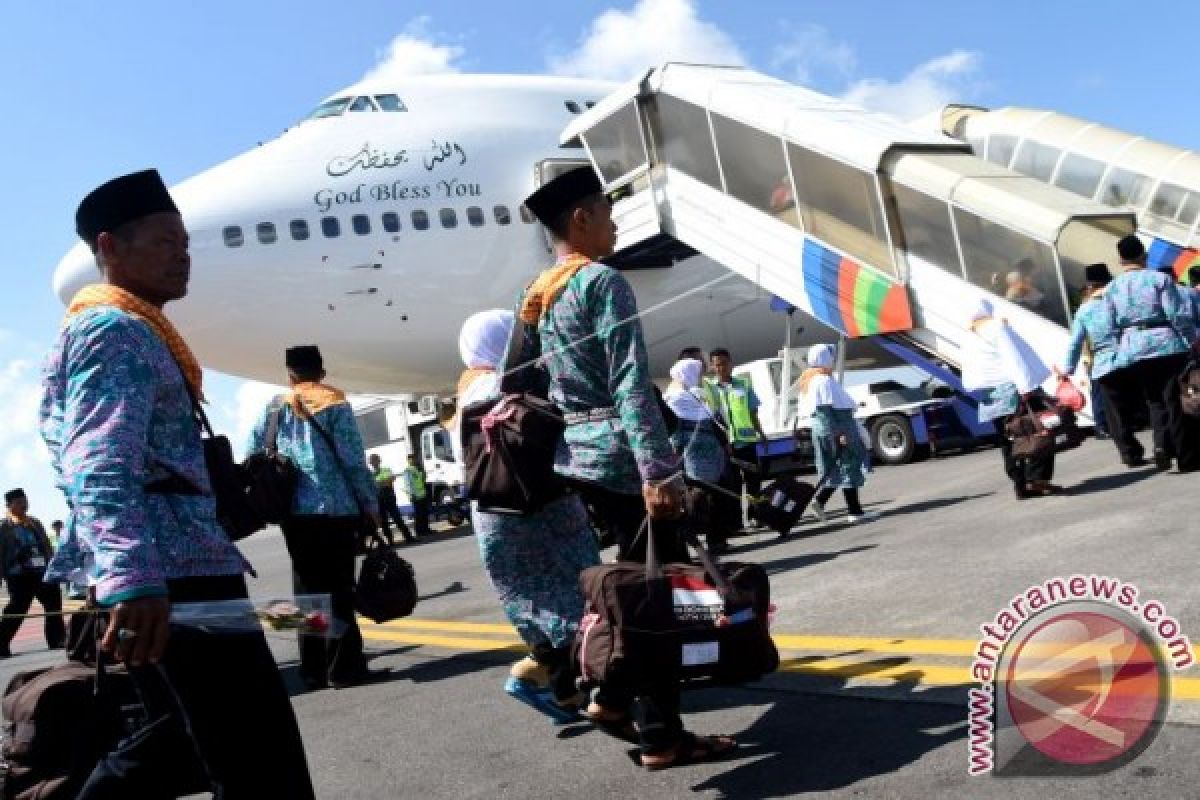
x: 271, y: 437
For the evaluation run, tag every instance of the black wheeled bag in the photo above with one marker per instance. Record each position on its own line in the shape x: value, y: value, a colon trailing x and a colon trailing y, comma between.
x: 782, y: 504
x: 646, y: 624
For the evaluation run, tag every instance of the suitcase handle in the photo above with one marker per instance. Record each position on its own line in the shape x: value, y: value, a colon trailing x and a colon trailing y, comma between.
x: 654, y: 568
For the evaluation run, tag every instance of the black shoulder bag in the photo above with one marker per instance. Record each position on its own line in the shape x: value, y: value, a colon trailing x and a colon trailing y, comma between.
x: 271, y: 477
x: 509, y: 442
x: 387, y: 586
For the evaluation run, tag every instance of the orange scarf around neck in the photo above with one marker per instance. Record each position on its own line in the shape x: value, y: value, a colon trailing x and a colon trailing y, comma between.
x: 807, y: 376
x: 549, y: 285
x: 316, y: 397
x: 105, y: 294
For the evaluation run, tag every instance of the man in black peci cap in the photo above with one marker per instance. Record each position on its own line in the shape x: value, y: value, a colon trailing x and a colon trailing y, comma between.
x: 316, y: 430
x: 615, y: 450
x: 118, y: 418
x: 1155, y: 332
x: 25, y: 550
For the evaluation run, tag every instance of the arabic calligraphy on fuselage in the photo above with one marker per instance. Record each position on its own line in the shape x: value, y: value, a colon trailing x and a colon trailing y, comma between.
x: 368, y: 158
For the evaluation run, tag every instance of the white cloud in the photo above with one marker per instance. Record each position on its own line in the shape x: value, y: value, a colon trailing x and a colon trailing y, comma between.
x: 810, y: 52
x: 416, y: 51
x: 24, y: 460
x: 620, y: 44
x: 926, y: 88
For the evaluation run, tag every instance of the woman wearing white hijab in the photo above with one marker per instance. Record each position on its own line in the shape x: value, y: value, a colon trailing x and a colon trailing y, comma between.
x: 1007, y: 375
x: 533, y: 561
x: 701, y: 442
x: 841, y: 455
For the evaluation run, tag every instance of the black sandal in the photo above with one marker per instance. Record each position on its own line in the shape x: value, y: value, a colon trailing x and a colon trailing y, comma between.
x: 691, y: 749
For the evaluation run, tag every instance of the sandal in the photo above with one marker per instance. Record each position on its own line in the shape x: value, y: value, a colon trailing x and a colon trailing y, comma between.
x: 692, y: 749
x: 617, y: 724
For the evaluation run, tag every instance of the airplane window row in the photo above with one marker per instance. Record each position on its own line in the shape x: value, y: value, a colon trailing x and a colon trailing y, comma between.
x: 339, y: 105
x: 361, y: 224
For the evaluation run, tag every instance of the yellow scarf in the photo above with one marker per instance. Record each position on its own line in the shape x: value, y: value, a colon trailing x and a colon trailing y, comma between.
x: 105, y: 294
x: 549, y: 285
x: 464, y: 382
x: 810, y: 373
x: 316, y: 396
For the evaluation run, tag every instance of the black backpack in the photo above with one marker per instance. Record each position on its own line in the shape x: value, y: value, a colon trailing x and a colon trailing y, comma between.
x: 270, y: 477
x: 509, y: 442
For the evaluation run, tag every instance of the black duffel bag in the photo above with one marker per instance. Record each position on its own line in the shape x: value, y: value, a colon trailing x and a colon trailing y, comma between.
x: 271, y: 477
x: 645, y: 624
x: 387, y: 587
x: 509, y: 442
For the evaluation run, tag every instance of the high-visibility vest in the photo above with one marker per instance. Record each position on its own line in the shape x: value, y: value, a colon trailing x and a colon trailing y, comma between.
x: 734, y: 403
x: 416, y: 482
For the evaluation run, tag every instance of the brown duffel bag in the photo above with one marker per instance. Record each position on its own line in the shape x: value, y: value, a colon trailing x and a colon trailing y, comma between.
x: 645, y: 624
x: 1030, y: 438
x: 1189, y: 389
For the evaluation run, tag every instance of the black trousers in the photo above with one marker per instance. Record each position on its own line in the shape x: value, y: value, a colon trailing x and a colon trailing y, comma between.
x: 1023, y: 471
x: 389, y: 510
x: 655, y: 711
x: 421, y: 515
x: 751, y: 479
x: 1122, y: 397
x: 1175, y: 435
x: 218, y: 708
x: 853, y: 505
x: 322, y: 550
x: 22, y: 589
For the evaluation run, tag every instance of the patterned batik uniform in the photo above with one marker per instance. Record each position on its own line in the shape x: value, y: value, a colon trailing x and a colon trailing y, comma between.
x: 321, y: 487
x: 839, y: 467
x: 1093, y: 325
x: 116, y: 416
x: 1150, y: 312
x: 594, y: 348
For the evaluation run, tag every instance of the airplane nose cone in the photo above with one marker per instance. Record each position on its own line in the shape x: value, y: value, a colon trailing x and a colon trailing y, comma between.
x: 76, y: 270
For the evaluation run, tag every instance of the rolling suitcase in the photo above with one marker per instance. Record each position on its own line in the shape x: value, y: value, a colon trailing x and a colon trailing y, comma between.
x: 782, y: 504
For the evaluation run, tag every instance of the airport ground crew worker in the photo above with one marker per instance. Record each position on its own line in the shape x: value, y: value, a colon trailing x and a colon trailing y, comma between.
x: 615, y: 450
x: 334, y: 490
x: 118, y: 417
x: 738, y: 406
x: 25, y: 550
x: 418, y: 494
x: 389, y: 511
x: 1155, y: 334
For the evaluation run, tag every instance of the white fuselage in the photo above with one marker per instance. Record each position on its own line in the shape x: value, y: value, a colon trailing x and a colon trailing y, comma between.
x: 386, y: 306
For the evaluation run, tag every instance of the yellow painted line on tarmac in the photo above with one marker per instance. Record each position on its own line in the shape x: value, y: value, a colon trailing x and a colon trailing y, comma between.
x: 502, y: 637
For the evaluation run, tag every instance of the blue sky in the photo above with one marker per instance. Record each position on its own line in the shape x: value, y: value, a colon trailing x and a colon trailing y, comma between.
x: 93, y: 90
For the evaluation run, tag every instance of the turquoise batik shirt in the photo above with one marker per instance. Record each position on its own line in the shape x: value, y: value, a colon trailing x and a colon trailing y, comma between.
x: 1151, y: 315
x: 593, y: 347
x: 116, y: 415
x: 1093, y: 324
x: 322, y: 488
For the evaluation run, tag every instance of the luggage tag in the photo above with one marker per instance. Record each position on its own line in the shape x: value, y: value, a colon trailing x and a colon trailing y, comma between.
x: 697, y: 653
x: 37, y: 562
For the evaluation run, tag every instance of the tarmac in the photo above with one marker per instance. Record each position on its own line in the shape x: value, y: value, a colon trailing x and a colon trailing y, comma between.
x: 877, y: 625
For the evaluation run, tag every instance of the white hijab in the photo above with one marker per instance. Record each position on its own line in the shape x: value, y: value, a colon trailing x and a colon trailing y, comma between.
x: 994, y: 354
x: 682, y: 397
x: 484, y: 338
x: 824, y: 390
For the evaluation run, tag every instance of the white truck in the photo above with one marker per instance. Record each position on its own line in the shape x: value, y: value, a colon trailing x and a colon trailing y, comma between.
x: 395, y: 427
x: 905, y: 413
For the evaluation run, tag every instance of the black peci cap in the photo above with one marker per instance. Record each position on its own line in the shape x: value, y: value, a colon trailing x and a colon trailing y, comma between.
x: 560, y: 194
x: 121, y: 200
x: 1097, y: 274
x: 14, y: 494
x: 1130, y: 248
x: 304, y: 358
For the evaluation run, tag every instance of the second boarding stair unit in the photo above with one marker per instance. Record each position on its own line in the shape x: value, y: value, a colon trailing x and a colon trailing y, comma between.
x: 870, y: 227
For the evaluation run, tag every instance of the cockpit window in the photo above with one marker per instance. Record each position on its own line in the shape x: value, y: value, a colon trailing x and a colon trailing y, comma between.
x: 330, y: 108
x: 390, y: 102
x: 362, y: 104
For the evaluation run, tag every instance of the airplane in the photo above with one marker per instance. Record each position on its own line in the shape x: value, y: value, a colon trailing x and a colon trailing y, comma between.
x: 377, y: 224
